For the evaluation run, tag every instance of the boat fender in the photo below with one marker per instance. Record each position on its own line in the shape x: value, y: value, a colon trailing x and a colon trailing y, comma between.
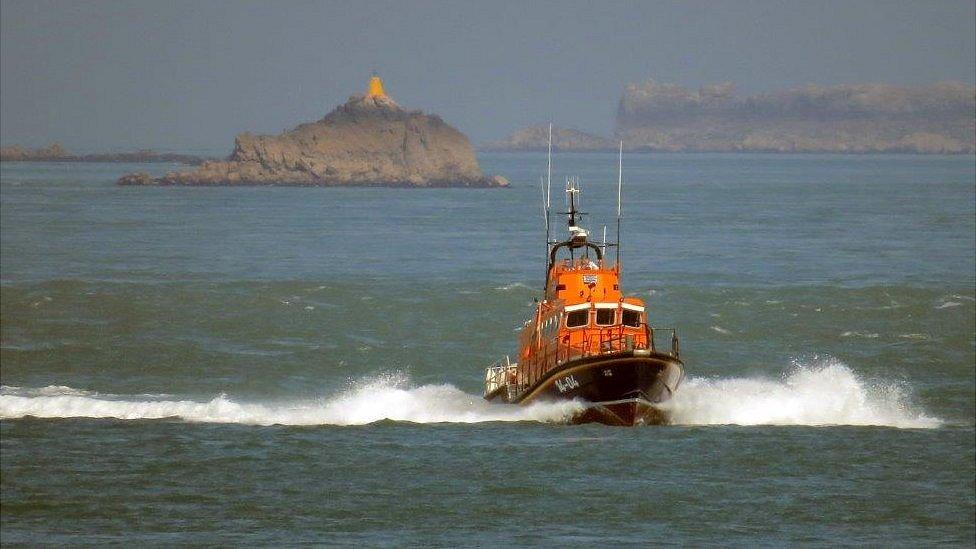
x: 642, y: 352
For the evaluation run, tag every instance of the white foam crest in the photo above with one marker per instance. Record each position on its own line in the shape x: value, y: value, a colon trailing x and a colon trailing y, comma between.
x: 824, y: 393
x: 386, y: 397
x: 868, y: 335
x: 512, y: 286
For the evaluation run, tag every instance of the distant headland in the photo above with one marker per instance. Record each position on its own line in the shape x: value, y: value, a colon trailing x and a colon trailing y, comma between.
x: 536, y: 138
x: 57, y: 153
x: 368, y: 141
x: 862, y: 118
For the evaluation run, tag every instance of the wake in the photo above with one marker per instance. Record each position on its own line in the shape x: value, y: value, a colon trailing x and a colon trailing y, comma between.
x: 824, y: 393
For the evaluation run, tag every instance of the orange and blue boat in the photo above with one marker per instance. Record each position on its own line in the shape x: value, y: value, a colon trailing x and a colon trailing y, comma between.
x: 586, y: 340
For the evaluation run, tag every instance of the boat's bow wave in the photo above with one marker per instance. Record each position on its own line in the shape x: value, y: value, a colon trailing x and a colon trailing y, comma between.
x: 386, y: 397
x: 824, y: 393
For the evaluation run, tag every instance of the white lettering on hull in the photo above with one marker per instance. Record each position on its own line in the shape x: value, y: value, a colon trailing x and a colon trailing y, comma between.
x: 567, y: 383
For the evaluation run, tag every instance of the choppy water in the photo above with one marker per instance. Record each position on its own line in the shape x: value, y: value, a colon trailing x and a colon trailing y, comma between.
x: 285, y: 365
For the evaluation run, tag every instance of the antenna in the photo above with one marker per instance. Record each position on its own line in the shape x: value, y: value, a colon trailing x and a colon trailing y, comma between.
x: 549, y: 169
x: 620, y: 184
x: 546, y: 199
x: 545, y: 215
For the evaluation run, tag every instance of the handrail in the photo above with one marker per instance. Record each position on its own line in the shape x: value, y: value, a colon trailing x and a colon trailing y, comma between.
x: 571, y: 245
x: 605, y: 341
x: 498, y: 375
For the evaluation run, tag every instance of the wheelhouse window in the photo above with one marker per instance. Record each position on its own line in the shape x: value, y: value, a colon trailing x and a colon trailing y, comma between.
x: 631, y: 318
x: 605, y: 317
x: 575, y: 319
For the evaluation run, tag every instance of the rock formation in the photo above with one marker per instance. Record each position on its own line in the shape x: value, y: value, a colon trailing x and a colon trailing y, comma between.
x: 536, y: 138
x: 368, y: 141
x: 19, y: 154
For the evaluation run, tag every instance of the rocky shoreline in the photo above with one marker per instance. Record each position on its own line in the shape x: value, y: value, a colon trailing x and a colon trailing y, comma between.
x: 145, y: 179
x: 57, y: 153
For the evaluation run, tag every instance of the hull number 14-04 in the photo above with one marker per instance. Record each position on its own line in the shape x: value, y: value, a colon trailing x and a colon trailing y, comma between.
x: 567, y: 383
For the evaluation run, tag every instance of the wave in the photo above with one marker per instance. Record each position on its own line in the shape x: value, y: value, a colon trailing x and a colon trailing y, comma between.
x: 386, y: 397
x: 825, y: 393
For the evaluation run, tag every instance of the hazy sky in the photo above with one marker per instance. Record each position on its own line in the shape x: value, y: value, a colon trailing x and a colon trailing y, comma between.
x: 190, y: 75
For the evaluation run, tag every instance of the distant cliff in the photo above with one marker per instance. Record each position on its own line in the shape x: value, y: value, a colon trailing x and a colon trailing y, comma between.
x: 536, y: 138
x: 863, y: 118
x: 368, y: 141
x: 57, y: 153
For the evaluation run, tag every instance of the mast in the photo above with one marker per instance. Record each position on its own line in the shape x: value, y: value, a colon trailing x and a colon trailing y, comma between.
x: 571, y: 191
x: 577, y: 234
x: 620, y: 183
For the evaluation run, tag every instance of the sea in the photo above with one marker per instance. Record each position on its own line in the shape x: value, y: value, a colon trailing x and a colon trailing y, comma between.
x: 285, y: 366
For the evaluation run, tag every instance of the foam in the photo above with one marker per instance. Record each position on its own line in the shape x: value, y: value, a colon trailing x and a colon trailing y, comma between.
x: 868, y: 335
x: 825, y: 392
x: 386, y: 397
x: 512, y: 286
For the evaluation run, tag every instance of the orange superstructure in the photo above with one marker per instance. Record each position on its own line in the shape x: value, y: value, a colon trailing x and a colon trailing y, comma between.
x: 584, y: 312
x: 587, y: 340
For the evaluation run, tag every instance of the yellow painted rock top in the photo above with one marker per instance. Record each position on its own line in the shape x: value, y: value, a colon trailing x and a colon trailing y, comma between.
x: 375, y: 88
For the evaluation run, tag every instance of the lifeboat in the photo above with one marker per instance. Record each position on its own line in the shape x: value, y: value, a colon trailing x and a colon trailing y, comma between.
x: 587, y: 341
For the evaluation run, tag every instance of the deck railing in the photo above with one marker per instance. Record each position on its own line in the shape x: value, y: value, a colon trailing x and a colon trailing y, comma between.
x: 596, y: 341
x: 499, y: 374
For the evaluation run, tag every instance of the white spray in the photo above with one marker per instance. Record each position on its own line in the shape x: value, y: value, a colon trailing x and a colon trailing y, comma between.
x: 825, y: 393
